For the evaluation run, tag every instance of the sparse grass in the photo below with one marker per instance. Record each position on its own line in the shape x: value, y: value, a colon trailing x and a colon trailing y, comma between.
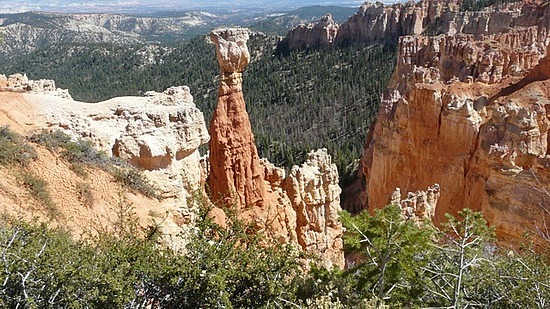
x: 52, y: 140
x: 86, y: 194
x: 136, y: 180
x: 79, y: 169
x: 14, y: 149
x: 81, y: 153
x: 38, y: 189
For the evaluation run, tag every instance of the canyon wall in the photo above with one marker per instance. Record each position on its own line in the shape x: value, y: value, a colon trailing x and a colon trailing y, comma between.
x: 378, y: 23
x: 321, y: 34
x: 471, y: 113
x: 466, y: 108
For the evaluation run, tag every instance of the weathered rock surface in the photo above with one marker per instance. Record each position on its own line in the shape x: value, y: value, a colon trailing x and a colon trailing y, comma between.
x: 159, y: 133
x: 376, y: 22
x: 471, y: 114
x: 236, y: 175
x: 320, y: 34
x: 300, y: 208
x: 21, y: 83
x: 462, y: 57
x: 315, y: 197
x: 417, y: 206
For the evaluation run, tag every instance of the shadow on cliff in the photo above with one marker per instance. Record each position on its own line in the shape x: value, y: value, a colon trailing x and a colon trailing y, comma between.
x: 539, y: 73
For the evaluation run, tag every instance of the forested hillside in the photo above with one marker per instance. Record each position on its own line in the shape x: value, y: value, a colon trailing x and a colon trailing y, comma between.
x: 297, y: 102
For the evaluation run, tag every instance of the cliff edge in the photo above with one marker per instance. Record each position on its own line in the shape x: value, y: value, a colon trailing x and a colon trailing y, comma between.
x: 471, y: 113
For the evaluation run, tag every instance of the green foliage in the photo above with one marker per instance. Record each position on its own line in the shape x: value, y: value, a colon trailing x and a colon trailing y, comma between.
x: 455, y: 266
x: 517, y: 279
x: 220, y: 268
x: 526, y: 281
x: 315, y: 98
x: 82, y: 152
x: 47, y: 269
x: 395, y: 262
x: 14, y: 149
x: 38, y: 189
x: 392, y: 252
x: 244, y: 270
x: 135, y: 180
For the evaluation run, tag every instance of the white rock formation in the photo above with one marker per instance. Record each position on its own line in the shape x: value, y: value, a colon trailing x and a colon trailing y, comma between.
x: 21, y: 83
x: 159, y: 133
x: 417, y: 206
x: 315, y: 196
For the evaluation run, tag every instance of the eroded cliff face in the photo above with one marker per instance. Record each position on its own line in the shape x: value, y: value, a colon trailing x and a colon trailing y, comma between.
x: 471, y: 114
x: 160, y: 133
x: 314, y: 194
x: 378, y: 23
x: 301, y: 208
x: 320, y: 34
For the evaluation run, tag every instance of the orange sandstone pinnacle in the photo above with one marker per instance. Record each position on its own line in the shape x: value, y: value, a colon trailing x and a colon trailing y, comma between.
x: 235, y: 174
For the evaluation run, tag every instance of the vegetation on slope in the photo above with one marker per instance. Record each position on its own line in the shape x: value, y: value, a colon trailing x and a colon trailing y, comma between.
x: 297, y: 102
x: 82, y: 153
x: 397, y: 263
x: 391, y: 261
x: 16, y: 154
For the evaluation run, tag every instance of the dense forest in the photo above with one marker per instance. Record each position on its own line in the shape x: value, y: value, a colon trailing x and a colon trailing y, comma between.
x: 297, y: 101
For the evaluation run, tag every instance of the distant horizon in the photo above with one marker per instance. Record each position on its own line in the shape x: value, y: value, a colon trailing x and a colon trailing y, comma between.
x: 143, y: 7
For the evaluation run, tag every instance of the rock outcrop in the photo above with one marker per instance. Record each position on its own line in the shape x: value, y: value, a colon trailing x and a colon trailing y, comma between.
x: 462, y: 57
x: 417, y: 206
x: 469, y: 112
x: 315, y: 197
x: 21, y: 83
x: 320, y: 34
x: 301, y: 208
x: 236, y: 175
x: 378, y: 23
x: 159, y: 133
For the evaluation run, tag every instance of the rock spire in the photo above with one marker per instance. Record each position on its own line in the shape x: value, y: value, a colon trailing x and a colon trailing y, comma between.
x: 235, y: 173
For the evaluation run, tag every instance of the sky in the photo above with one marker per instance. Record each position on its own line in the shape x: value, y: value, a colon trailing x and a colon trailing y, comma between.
x: 12, y: 6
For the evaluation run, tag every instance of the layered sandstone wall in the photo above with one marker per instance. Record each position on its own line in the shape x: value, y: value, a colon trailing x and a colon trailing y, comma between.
x: 378, y: 23
x: 463, y: 57
x: 471, y: 114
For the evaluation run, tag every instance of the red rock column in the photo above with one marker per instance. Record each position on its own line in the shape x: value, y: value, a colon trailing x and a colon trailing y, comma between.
x: 235, y: 173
